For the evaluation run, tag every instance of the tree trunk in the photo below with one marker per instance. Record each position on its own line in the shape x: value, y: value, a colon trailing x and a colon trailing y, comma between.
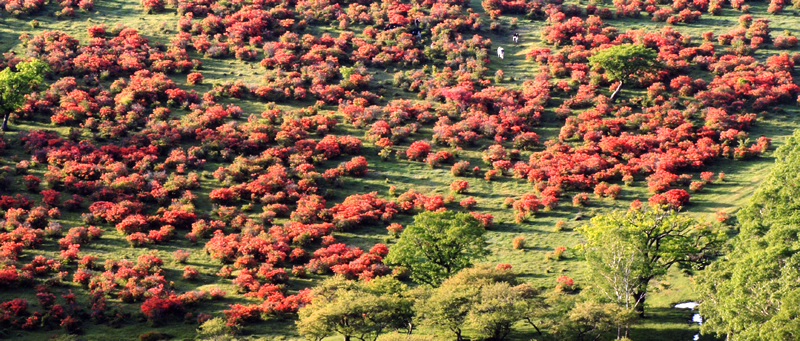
x: 640, y: 296
x: 616, y: 92
x: 5, y: 122
x: 534, y: 326
x: 347, y: 338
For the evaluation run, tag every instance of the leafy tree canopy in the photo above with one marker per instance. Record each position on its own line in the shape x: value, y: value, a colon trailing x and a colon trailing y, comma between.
x: 361, y: 310
x: 437, y: 245
x: 14, y: 85
x: 627, y: 249
x: 484, y: 298
x: 753, y: 293
x: 624, y: 62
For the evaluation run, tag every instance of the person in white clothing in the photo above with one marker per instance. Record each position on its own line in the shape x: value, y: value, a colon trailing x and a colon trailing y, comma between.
x: 500, y: 52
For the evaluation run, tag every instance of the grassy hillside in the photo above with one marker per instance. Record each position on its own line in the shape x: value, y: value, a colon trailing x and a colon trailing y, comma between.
x: 741, y: 176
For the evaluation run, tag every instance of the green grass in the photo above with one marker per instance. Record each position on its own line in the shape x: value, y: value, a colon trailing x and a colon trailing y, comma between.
x: 664, y: 324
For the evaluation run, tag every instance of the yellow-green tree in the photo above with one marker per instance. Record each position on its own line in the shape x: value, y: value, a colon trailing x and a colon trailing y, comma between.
x: 624, y: 62
x: 362, y: 310
x: 14, y: 85
x: 483, y: 298
x: 753, y: 292
x: 627, y: 249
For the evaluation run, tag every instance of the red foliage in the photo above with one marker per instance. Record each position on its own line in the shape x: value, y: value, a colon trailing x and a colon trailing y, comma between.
x: 359, y: 209
x: 158, y: 309
x: 468, y: 203
x: 357, y: 166
x: 418, y: 150
x: 459, y: 186
x: 194, y: 78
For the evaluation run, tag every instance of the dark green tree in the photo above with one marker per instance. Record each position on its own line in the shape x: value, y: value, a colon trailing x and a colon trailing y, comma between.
x: 624, y: 62
x: 14, y: 85
x: 753, y: 292
x: 627, y: 249
x: 437, y: 245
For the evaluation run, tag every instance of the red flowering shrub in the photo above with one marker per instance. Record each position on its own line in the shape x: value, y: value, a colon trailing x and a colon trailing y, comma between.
x: 132, y: 223
x: 526, y: 141
x: 157, y: 309
x: 342, y: 259
x: 153, y: 6
x: 580, y: 199
x: 565, y: 283
x: 435, y: 159
x: 676, y: 198
x: 194, y: 78
x: 357, y: 166
x: 490, y: 174
x: 137, y: 239
x: 239, y: 314
x: 51, y: 197
x: 527, y: 205
x: 222, y: 195
x: 612, y: 191
x: 31, y: 182
x: 17, y: 307
x: 8, y: 275
x: 494, y: 153
x: 190, y: 273
x: 486, y: 220
x: 785, y: 42
x: 418, y: 150
x: 518, y: 242
x: 395, y: 229
x: 468, y: 203
x: 359, y: 209
x: 723, y: 216
x: 460, y: 168
x: 459, y: 186
x: 180, y: 256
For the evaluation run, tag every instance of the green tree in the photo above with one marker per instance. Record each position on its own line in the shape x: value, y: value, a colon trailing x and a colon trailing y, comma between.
x: 627, y: 249
x: 578, y: 317
x: 753, y: 292
x: 482, y: 298
x: 14, y: 85
x: 624, y: 62
x: 355, y: 309
x: 497, y: 308
x: 447, y: 307
x: 214, y: 330
x: 437, y: 245
x: 591, y: 319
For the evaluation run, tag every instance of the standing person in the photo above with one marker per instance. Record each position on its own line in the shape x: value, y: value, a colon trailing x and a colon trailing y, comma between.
x: 500, y: 52
x: 515, y: 37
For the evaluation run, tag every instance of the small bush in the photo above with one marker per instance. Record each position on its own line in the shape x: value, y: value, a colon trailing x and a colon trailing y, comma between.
x: 190, y: 273
x: 560, y: 225
x: 459, y: 186
x: 153, y: 336
x: 180, y: 256
x: 395, y: 229
x: 519, y: 242
x: 556, y: 254
x: 565, y: 284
